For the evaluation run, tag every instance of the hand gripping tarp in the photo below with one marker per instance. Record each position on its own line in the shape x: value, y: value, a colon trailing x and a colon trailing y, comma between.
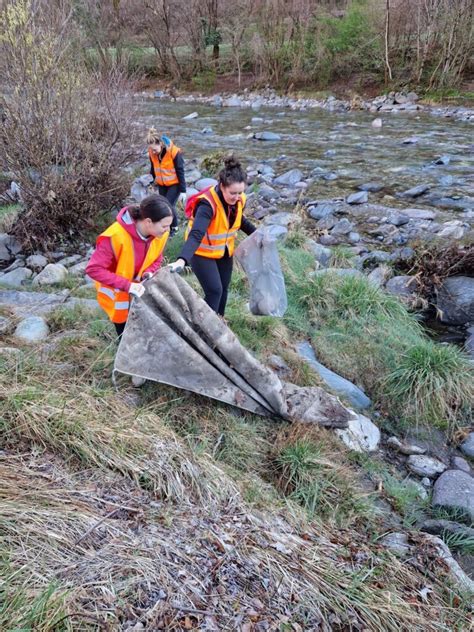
x: 173, y: 337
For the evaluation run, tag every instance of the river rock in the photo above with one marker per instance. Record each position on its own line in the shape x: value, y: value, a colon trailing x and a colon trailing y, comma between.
x: 377, y: 123
x: 330, y: 176
x: 6, y: 325
x: 404, y: 448
x: 204, y: 183
x: 36, y: 262
x: 452, y: 230
x: 425, y: 465
x: 321, y: 254
x: 397, y: 543
x: 9, y: 247
x: 32, y: 329
x: 454, y: 489
x: 328, y: 240
x: 217, y: 101
x: 69, y: 261
x: 318, y: 210
x: 289, y: 178
x: 467, y: 446
x: 358, y: 198
x: 53, y: 273
x: 419, y: 213
x: 191, y: 116
x: 207, y: 130
x: 411, y: 140
x: 343, y: 227
x: 371, y: 187
x: 326, y: 223
x: 397, y: 219
x: 268, y: 193
x: 440, y: 527
x: 415, y: 192
x: 380, y: 275
x: 16, y: 278
x: 79, y: 269
x: 10, y: 353
x: 401, y: 286
x: 270, y: 136
x: 233, y: 102
x: 375, y: 258
x: 193, y: 175
x: 458, y: 463
x: 442, y: 160
x: 361, y: 435
x: 457, y: 575
x: 339, y: 384
x: 280, y: 219
x: 455, y: 300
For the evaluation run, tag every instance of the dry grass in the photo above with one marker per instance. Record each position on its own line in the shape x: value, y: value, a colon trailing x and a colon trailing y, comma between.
x: 118, y: 556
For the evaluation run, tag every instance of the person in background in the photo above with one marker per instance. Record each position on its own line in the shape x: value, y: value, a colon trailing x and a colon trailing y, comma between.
x: 127, y: 252
x: 167, y: 169
x: 215, y: 218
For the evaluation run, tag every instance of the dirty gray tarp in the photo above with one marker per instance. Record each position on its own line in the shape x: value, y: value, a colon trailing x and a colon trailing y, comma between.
x: 173, y: 337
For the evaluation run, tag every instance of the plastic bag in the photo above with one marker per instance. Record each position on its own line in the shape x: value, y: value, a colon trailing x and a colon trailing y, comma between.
x: 258, y: 255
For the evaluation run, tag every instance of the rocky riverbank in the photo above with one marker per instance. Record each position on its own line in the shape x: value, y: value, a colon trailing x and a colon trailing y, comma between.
x: 393, y: 102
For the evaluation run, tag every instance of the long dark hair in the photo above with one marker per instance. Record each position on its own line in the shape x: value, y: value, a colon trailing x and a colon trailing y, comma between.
x: 232, y: 172
x: 154, y: 206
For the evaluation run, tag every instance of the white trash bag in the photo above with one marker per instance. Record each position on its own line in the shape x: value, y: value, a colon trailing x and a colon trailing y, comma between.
x: 258, y: 255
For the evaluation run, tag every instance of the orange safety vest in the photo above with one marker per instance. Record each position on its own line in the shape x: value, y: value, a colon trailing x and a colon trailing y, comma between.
x: 116, y: 302
x: 165, y: 173
x: 219, y: 235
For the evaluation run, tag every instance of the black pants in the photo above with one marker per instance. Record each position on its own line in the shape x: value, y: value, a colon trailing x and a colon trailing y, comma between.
x: 214, y: 275
x: 171, y: 194
x: 119, y: 327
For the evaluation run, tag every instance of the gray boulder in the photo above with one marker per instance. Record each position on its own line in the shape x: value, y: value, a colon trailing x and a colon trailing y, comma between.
x: 419, y: 213
x: 342, y: 227
x: 32, y: 329
x: 371, y: 187
x: 358, y: 198
x: 79, y: 269
x: 204, y: 183
x: 36, y: 262
x: 401, y: 286
x: 467, y: 446
x: 193, y: 175
x: 267, y: 192
x: 415, y: 192
x: 425, y: 465
x: 69, y: 261
x: 455, y: 300
x: 280, y: 219
x: 233, y: 102
x: 53, y: 273
x: 321, y: 253
x: 458, y: 463
x: 454, y: 490
x: 398, y: 219
x: 318, y: 210
x: 289, y: 178
x: 9, y: 247
x: 396, y: 543
x: 16, y: 278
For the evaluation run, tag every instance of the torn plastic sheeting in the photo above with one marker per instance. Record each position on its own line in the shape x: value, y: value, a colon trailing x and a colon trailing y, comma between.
x: 258, y: 255
x: 173, y: 337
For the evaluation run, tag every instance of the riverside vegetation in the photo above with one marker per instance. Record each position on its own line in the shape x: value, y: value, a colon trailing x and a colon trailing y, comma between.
x: 159, y: 509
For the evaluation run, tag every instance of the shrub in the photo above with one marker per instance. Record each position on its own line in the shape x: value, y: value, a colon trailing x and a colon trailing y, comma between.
x: 66, y: 134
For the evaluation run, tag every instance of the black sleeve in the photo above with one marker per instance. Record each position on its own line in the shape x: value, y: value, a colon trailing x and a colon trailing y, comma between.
x: 152, y: 170
x: 202, y: 219
x: 179, y: 168
x: 246, y: 226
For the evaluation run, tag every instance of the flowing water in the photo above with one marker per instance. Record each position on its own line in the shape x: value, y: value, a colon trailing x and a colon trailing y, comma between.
x: 344, y: 145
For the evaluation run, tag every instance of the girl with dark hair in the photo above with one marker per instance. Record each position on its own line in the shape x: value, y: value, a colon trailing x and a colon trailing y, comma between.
x: 217, y: 216
x: 167, y: 169
x: 130, y: 250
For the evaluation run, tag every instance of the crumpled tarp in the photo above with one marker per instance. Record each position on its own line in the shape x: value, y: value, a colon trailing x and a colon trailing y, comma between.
x: 173, y: 337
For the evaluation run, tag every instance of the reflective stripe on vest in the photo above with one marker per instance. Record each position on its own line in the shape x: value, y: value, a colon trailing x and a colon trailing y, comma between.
x: 113, y: 301
x: 219, y: 234
x: 165, y: 173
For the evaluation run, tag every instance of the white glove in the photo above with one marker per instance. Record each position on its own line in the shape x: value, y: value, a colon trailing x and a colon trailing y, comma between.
x: 147, y: 276
x: 177, y: 266
x: 137, y: 289
x: 182, y: 199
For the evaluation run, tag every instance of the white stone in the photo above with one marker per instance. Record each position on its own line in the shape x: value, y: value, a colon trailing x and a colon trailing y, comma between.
x: 377, y: 123
x: 425, y: 465
x: 32, y: 329
x: 53, y: 273
x: 191, y: 116
x: 361, y: 435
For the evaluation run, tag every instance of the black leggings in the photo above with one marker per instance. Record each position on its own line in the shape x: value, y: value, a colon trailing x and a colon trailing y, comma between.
x: 171, y: 194
x: 119, y: 327
x: 214, y: 275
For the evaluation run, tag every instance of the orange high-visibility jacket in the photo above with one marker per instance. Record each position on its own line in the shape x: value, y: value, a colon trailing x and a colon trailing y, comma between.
x: 219, y: 234
x: 165, y: 173
x: 116, y: 302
